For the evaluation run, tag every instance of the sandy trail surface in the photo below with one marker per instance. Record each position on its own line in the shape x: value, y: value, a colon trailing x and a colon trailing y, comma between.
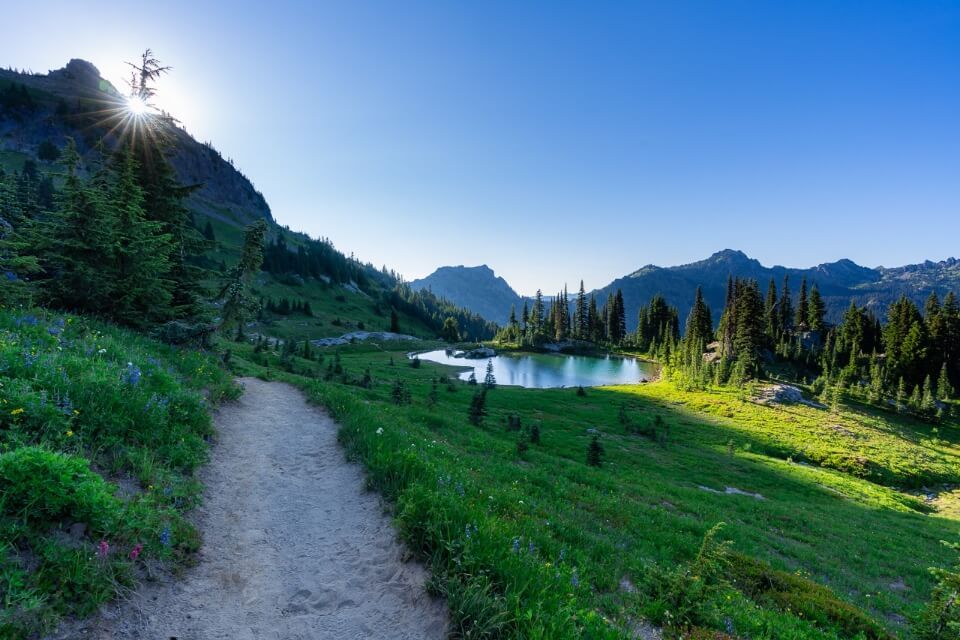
x: 293, y: 546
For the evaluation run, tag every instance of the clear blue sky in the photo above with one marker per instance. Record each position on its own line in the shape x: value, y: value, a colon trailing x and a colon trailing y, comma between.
x: 561, y: 140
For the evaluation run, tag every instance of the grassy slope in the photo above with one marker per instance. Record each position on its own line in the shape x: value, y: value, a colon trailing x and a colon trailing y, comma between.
x: 336, y: 310
x: 85, y: 409
x: 870, y: 543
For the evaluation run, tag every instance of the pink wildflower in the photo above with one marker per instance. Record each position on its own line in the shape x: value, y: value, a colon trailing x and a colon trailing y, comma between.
x: 135, y: 553
x: 103, y: 549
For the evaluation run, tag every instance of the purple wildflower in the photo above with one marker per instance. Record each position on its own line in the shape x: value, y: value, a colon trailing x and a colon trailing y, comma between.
x: 132, y: 374
x: 165, y: 537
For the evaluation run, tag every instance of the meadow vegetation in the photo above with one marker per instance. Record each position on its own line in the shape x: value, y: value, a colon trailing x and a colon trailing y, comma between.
x: 821, y: 534
x: 101, y: 433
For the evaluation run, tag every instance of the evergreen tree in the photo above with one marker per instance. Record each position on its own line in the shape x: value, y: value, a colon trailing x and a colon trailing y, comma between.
x: 139, y: 264
x: 786, y: 307
x: 944, y: 389
x: 478, y: 407
x: 450, y: 332
x: 699, y: 328
x: 595, y: 452
x: 803, y: 308
x: 581, y: 316
x: 72, y: 243
x: 816, y: 310
x: 238, y: 304
x: 208, y: 232
x: 489, y: 380
x: 770, y: 314
x: 537, y: 319
x: 593, y: 321
x: 394, y: 321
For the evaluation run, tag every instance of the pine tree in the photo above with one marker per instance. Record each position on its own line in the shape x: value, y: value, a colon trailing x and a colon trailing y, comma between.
x: 478, y: 407
x: 901, y: 394
x: 699, y: 328
x: 928, y: 403
x: 139, y: 264
x: 786, y: 307
x: 73, y: 242
x: 593, y: 321
x: 621, y: 317
x: 770, y: 314
x: 803, y: 308
x: 816, y: 310
x: 489, y: 380
x: 595, y: 452
x: 944, y: 389
x: 581, y: 327
x: 238, y: 305
x: 450, y: 331
x: 208, y: 232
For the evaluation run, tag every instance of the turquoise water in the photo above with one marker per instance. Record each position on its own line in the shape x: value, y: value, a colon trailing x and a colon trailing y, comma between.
x: 544, y: 371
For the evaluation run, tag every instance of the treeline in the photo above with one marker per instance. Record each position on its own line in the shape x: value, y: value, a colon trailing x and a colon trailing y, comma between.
x: 911, y: 360
x: 16, y: 101
x: 286, y: 307
x: 313, y: 259
x: 584, y: 321
x: 446, y: 319
x: 119, y: 244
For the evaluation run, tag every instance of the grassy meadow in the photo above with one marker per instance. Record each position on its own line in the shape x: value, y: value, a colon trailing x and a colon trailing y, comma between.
x: 824, y: 535
x: 101, y: 431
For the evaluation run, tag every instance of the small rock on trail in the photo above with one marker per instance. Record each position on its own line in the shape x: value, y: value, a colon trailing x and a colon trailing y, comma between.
x: 294, y: 548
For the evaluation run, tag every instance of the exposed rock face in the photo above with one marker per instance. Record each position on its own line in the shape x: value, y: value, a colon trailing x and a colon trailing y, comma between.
x: 221, y: 190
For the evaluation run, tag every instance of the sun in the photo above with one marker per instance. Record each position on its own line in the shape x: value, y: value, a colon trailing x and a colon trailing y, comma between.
x: 137, y: 106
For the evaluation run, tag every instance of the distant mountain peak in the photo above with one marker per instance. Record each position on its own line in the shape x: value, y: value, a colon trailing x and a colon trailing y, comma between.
x: 476, y: 288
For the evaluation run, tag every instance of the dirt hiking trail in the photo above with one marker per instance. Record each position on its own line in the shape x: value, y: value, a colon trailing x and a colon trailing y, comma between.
x: 293, y: 546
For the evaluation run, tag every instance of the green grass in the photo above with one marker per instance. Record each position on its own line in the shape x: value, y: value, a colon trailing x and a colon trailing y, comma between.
x: 336, y: 309
x: 86, y: 408
x: 840, y: 551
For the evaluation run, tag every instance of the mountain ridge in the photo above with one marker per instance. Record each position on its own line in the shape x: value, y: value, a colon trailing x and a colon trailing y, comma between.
x: 71, y: 102
x: 840, y: 282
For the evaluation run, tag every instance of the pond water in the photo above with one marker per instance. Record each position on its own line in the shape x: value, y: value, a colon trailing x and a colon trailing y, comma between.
x: 547, y: 370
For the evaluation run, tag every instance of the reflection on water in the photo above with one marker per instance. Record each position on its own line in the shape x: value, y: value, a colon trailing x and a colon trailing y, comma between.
x: 542, y: 371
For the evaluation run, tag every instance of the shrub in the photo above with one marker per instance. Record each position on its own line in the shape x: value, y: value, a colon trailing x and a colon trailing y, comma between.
x: 789, y: 592
x: 595, y: 452
x: 940, y: 619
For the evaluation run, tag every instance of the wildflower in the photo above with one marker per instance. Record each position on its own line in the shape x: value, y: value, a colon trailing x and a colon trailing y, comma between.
x: 16, y: 411
x: 54, y: 331
x: 563, y: 554
x: 728, y: 625
x: 531, y: 549
x: 103, y: 549
x: 165, y: 537
x: 379, y: 431
x: 101, y: 351
x: 466, y: 530
x: 132, y: 374
x: 516, y: 545
x: 459, y: 489
x: 69, y: 433
x: 574, y: 579
x: 11, y: 276
x: 135, y: 552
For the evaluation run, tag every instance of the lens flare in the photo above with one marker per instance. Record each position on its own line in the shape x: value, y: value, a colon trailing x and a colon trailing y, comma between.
x: 137, y: 106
